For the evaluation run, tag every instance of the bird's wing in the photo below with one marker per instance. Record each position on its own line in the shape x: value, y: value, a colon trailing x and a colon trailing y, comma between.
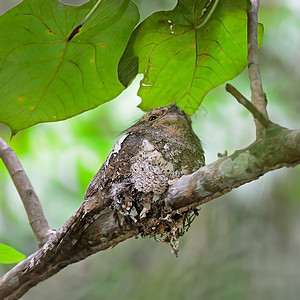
x: 116, y: 168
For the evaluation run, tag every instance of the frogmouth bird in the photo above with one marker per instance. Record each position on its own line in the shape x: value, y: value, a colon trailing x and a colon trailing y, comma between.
x: 158, y: 149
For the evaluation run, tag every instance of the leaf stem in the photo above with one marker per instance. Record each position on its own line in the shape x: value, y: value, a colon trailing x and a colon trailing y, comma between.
x: 91, y: 12
x: 208, y: 15
x: 88, y: 16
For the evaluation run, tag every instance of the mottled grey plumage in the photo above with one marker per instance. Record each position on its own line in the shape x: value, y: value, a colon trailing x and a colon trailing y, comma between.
x: 159, y: 148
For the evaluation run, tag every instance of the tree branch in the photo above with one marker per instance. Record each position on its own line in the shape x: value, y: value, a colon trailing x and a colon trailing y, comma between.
x: 87, y: 231
x: 28, y: 196
x: 94, y: 228
x: 279, y: 148
x: 248, y: 105
x: 258, y: 96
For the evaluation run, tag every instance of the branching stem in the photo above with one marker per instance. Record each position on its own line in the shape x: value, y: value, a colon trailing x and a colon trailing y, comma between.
x: 248, y: 105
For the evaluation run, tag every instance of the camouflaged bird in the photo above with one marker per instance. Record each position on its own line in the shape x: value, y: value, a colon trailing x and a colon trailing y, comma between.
x: 158, y: 149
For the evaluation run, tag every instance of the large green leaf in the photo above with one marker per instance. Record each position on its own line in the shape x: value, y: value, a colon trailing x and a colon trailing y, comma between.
x: 44, y: 77
x: 9, y: 255
x: 186, y: 52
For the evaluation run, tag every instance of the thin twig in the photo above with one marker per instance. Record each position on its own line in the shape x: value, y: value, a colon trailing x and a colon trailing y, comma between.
x: 248, y: 105
x: 258, y: 96
x: 28, y: 196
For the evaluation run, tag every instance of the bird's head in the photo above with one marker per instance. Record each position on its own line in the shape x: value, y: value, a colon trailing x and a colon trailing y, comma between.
x: 171, y: 119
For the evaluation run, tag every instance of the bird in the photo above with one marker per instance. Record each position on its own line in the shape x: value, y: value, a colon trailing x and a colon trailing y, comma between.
x: 151, y: 154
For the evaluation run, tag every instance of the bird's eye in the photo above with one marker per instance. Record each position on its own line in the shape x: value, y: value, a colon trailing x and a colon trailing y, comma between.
x: 152, y: 118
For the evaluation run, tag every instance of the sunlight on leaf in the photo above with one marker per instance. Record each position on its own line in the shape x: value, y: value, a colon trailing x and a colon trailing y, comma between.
x: 45, y: 78
x: 9, y: 255
x: 186, y: 52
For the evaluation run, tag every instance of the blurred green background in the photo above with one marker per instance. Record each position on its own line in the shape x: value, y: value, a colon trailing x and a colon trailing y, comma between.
x: 244, y: 245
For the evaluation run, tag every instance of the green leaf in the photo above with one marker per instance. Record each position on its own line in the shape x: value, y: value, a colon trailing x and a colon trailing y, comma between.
x: 9, y: 255
x: 44, y: 77
x: 186, y: 52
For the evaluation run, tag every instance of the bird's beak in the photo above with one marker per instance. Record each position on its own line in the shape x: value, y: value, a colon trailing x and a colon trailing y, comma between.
x: 172, y: 118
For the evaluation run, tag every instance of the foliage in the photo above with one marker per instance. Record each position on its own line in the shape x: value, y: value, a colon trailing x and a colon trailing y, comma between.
x: 186, y: 52
x: 9, y: 255
x: 44, y: 77
x: 49, y: 75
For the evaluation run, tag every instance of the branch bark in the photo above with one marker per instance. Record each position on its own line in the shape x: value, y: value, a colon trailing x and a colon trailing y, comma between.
x: 27, y: 194
x: 94, y: 228
x: 279, y: 148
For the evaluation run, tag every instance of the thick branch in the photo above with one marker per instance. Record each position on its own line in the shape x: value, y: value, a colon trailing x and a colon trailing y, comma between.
x: 87, y: 232
x: 28, y: 196
x: 280, y: 148
x: 94, y: 227
x: 258, y: 96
